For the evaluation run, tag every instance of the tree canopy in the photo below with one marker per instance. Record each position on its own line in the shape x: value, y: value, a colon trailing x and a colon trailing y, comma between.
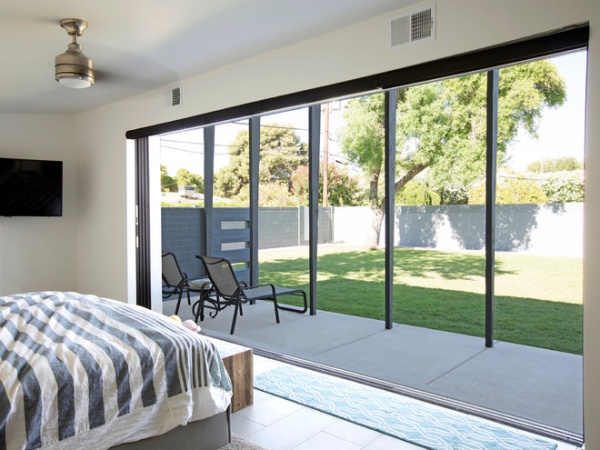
x: 183, y: 178
x: 186, y: 178
x: 167, y: 182
x: 566, y: 163
x: 441, y: 127
x: 281, y: 152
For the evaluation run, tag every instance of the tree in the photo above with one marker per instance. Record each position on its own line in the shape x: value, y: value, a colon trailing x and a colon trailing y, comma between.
x: 186, y: 178
x: 343, y: 188
x: 566, y: 163
x: 167, y: 182
x: 441, y: 128
x: 281, y: 152
x: 271, y: 194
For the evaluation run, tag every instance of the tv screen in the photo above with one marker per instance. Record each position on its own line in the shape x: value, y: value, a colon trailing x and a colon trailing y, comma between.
x: 30, y: 187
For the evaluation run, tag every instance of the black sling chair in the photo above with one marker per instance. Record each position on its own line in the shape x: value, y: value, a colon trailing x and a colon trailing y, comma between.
x: 232, y: 292
x: 176, y: 282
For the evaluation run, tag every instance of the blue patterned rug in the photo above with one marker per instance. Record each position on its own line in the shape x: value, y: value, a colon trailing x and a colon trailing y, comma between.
x: 417, y: 422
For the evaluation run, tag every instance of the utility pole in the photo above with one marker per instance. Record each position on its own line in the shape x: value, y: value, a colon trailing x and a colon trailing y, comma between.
x: 325, y: 153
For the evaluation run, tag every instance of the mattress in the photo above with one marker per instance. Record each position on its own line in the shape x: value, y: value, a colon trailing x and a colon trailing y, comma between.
x: 78, y: 371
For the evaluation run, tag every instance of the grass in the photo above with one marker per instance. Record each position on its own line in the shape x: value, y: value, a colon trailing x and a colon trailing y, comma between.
x: 538, y: 299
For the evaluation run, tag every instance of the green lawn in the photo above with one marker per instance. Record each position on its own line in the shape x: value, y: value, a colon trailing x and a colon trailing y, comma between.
x: 538, y: 299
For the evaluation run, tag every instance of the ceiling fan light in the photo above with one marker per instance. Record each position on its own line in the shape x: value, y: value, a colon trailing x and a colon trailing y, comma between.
x: 75, y: 83
x: 72, y: 68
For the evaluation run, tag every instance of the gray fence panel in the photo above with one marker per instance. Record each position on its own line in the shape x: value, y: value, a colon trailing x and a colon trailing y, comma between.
x: 182, y: 231
x: 279, y: 227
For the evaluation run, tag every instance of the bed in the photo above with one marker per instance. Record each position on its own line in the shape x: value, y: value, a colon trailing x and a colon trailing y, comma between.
x: 82, y: 372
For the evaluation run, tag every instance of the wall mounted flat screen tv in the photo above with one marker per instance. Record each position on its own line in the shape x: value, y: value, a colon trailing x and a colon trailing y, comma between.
x: 30, y: 187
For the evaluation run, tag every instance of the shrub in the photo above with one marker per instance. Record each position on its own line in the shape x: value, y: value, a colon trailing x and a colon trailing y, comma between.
x: 510, y: 191
x: 416, y: 193
x: 343, y: 189
x: 564, y: 187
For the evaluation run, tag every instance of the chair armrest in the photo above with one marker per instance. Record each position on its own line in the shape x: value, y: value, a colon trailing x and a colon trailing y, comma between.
x: 258, y: 286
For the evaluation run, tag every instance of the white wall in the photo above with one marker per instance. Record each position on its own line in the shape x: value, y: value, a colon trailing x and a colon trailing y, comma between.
x: 38, y: 253
x: 591, y: 248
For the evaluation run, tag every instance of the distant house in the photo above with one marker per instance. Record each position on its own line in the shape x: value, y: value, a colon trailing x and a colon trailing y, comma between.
x: 187, y: 191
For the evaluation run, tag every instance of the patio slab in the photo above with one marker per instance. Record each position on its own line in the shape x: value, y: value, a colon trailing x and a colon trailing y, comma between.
x: 405, y: 355
x: 536, y: 384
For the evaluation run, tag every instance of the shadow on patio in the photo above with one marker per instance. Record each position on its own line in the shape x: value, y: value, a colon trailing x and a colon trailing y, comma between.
x: 530, y: 388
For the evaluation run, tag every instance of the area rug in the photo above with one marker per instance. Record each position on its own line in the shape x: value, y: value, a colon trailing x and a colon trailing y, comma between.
x: 239, y: 443
x: 420, y: 423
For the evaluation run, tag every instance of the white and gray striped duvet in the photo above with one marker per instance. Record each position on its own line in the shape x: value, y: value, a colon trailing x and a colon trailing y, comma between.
x: 82, y: 372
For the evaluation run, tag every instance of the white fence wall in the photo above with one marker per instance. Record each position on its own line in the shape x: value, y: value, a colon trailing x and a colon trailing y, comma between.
x: 542, y: 229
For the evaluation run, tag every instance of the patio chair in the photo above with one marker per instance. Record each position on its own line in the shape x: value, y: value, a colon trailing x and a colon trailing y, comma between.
x: 176, y: 282
x: 230, y: 291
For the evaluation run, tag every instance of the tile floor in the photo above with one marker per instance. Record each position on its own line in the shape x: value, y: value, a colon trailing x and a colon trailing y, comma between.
x: 278, y: 424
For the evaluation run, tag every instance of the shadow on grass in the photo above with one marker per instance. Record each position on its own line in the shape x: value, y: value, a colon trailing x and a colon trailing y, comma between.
x: 410, y: 262
x: 526, y: 321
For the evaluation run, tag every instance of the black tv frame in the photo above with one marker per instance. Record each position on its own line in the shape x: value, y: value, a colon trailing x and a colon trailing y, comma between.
x: 31, y: 187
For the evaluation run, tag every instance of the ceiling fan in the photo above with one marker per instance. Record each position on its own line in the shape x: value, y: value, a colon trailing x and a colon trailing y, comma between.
x: 73, y: 69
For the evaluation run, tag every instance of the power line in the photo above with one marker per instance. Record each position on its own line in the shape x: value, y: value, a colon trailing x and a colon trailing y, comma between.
x: 199, y: 153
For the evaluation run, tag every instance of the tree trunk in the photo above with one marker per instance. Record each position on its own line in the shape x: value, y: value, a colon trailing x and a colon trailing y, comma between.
x: 375, y: 230
x: 377, y: 207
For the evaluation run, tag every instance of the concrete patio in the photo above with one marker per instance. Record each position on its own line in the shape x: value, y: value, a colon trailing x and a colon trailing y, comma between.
x: 531, y: 388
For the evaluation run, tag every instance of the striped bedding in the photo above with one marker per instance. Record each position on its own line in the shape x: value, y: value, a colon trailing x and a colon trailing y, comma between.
x: 83, y: 372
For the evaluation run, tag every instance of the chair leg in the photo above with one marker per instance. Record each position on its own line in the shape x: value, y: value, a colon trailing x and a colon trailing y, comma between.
x: 237, y: 306
x: 178, y: 302
x: 201, y: 307
x: 276, y: 309
x: 198, y: 309
x: 204, y: 295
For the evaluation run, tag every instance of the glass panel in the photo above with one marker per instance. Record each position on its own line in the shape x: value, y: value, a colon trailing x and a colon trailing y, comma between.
x: 351, y: 270
x: 182, y: 196
x: 232, y: 165
x: 234, y: 245
x: 231, y: 204
x: 283, y: 214
x: 234, y: 225
x: 439, y: 279
x: 540, y: 196
x: 182, y: 168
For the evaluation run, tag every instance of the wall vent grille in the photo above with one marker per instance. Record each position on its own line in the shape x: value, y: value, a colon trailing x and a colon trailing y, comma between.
x: 173, y: 97
x: 416, y: 26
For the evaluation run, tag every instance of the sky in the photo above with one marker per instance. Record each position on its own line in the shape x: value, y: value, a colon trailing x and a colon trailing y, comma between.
x: 561, y: 131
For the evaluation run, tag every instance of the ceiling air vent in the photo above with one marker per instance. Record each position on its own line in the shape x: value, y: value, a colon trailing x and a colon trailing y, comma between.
x: 173, y: 97
x: 416, y: 26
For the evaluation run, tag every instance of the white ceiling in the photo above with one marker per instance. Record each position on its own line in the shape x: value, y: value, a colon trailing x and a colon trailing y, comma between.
x: 137, y: 45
